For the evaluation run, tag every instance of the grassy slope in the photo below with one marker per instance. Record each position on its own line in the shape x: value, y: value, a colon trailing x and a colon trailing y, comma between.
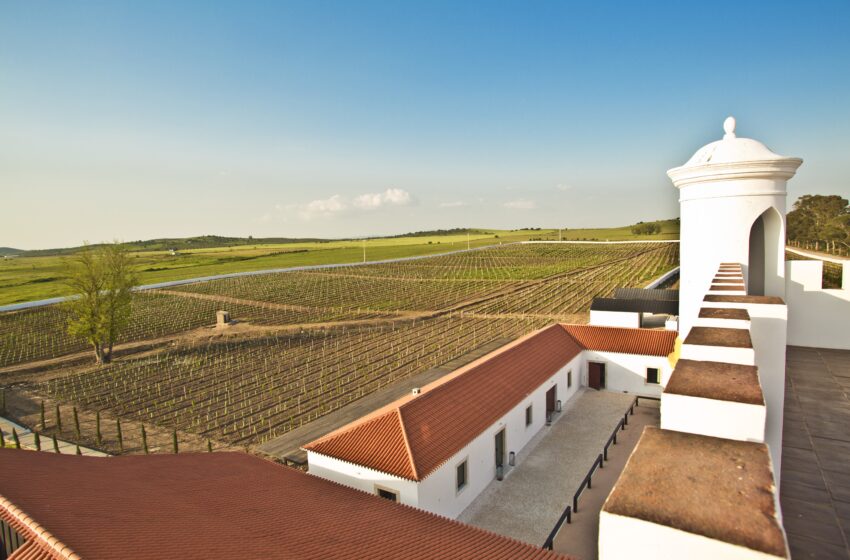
x: 40, y: 277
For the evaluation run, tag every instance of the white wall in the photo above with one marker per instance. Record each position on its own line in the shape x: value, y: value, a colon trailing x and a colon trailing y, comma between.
x: 715, y: 227
x: 768, y: 330
x: 628, y: 537
x: 627, y: 372
x: 698, y: 352
x: 361, y: 478
x: 437, y: 491
x: 711, y: 417
x: 817, y: 317
x: 615, y: 319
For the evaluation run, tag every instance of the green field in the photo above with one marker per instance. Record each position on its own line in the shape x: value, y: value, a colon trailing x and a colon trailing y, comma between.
x: 28, y: 278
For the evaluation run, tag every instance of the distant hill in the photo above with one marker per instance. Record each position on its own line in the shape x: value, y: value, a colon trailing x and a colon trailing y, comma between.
x: 667, y: 228
x: 180, y: 244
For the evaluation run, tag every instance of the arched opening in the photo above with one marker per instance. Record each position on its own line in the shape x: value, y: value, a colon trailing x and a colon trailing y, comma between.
x: 765, y: 273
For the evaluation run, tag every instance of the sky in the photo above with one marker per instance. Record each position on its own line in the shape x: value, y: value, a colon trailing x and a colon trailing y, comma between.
x: 138, y: 120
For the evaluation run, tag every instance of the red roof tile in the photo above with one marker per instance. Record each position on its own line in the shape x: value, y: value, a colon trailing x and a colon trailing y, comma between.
x: 224, y: 505
x: 449, y: 414
x: 647, y: 342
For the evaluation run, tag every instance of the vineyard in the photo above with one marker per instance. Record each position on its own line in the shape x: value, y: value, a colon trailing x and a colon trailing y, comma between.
x: 357, y: 329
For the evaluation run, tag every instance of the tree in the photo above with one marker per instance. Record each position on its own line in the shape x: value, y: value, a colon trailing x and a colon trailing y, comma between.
x: 103, y: 279
x: 820, y: 218
x: 642, y: 228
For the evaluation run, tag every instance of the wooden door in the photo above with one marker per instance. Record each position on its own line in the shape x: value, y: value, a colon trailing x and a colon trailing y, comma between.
x: 500, y: 448
x: 551, y: 395
x: 596, y: 375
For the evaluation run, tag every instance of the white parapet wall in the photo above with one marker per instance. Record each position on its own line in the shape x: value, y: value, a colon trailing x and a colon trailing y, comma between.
x: 628, y: 537
x: 817, y: 317
x: 362, y: 478
x: 769, y: 331
x: 615, y: 319
x: 712, y: 417
x: 743, y: 356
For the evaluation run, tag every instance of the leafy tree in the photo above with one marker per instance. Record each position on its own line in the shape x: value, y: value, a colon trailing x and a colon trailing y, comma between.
x: 103, y: 279
x: 642, y: 228
x: 820, y: 218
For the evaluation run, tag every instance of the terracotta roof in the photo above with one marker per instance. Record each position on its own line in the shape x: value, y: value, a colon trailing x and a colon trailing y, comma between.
x: 646, y: 342
x: 225, y: 505
x: 412, y: 437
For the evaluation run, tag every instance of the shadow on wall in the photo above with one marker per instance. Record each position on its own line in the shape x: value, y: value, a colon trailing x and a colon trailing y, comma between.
x: 817, y: 317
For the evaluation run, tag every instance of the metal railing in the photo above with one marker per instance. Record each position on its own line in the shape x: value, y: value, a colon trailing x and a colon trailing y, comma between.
x: 567, y: 515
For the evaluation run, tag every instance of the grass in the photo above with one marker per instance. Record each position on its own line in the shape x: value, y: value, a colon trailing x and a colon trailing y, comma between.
x: 28, y: 278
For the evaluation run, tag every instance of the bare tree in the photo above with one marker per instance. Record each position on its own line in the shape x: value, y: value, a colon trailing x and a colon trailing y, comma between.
x: 103, y: 279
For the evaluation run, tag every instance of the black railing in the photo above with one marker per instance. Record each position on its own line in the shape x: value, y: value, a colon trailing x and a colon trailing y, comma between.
x: 587, y: 482
x: 598, y: 463
x: 566, y: 516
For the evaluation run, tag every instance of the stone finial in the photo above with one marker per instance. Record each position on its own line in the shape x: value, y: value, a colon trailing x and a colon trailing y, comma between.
x: 729, y: 128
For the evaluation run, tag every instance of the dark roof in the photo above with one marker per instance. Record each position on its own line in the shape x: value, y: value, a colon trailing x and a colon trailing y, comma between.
x: 219, y: 505
x: 653, y: 294
x: 635, y: 305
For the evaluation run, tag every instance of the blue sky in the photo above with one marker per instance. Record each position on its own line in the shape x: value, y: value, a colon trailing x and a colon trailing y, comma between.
x: 135, y: 120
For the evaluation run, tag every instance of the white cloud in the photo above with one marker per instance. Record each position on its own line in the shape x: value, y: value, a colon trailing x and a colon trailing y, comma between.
x: 453, y: 204
x: 520, y: 204
x: 390, y: 197
x: 563, y: 187
x: 337, y: 204
x: 322, y: 208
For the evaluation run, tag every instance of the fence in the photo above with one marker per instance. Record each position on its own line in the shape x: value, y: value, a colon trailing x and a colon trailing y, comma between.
x: 567, y: 515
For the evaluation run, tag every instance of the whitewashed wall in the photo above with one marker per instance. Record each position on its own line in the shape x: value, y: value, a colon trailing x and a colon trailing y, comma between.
x: 627, y: 372
x: 361, y: 478
x: 629, y: 537
x: 615, y: 319
x: 769, y: 331
x: 711, y: 417
x: 715, y: 227
x: 817, y: 317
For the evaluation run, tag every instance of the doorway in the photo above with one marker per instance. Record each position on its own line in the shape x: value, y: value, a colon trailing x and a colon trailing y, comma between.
x: 596, y: 375
x: 500, y: 448
x: 551, y: 397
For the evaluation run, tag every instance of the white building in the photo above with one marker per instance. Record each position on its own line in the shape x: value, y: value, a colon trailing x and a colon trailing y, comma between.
x: 437, y: 450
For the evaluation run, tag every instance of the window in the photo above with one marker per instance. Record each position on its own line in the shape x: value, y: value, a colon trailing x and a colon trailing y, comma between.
x: 652, y: 375
x: 569, y: 379
x: 528, y: 416
x: 387, y: 494
x: 461, y: 476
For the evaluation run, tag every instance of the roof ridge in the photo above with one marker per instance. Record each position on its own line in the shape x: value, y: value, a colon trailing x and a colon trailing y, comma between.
x: 406, y: 440
x: 49, y: 541
x: 564, y: 327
